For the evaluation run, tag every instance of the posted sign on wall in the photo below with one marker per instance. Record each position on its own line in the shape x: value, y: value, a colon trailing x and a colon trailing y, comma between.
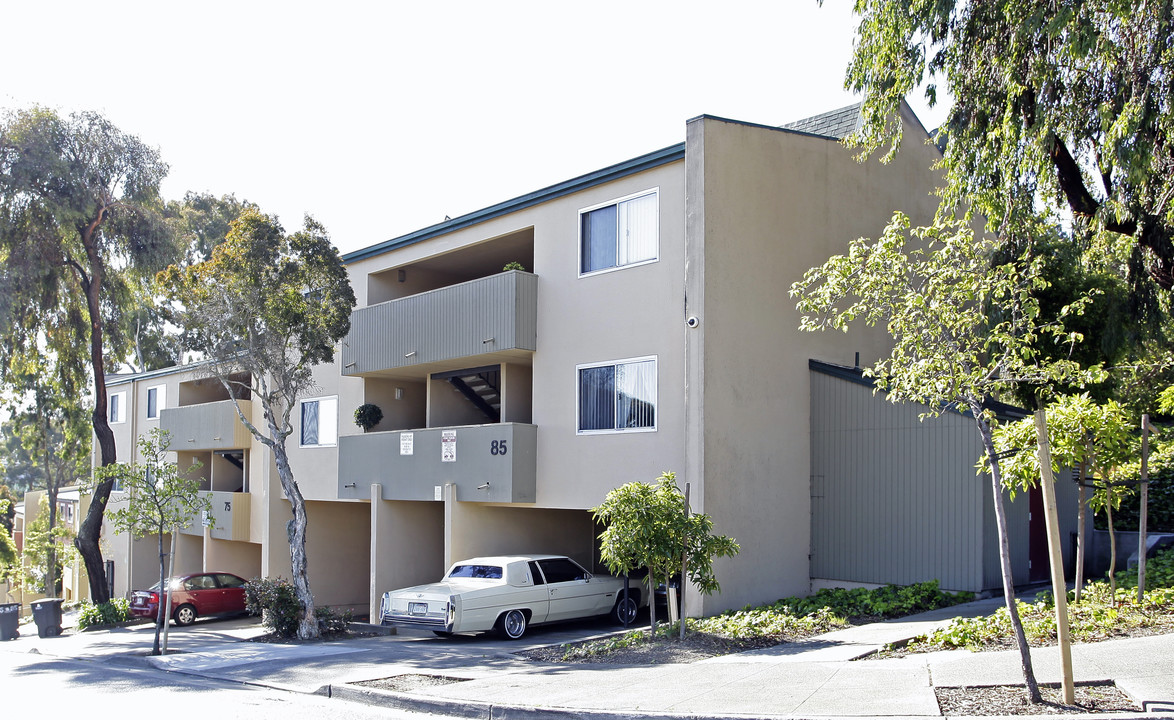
x: 448, y: 446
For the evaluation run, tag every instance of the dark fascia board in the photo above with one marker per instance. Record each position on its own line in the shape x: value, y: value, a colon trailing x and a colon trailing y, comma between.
x: 856, y: 375
x: 648, y: 161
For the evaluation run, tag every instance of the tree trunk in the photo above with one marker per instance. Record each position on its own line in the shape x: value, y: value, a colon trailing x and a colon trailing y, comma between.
x: 1080, y: 533
x: 652, y: 600
x: 1112, y: 552
x: 161, y: 615
x: 90, y: 532
x: 296, y: 529
x: 51, y: 487
x: 984, y: 429
x: 1143, y: 505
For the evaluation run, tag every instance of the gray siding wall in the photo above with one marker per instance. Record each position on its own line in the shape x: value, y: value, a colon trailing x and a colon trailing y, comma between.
x: 894, y: 499
x: 212, y: 426
x: 449, y: 323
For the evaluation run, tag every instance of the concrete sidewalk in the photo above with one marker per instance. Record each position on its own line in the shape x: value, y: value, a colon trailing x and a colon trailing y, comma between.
x: 814, y: 678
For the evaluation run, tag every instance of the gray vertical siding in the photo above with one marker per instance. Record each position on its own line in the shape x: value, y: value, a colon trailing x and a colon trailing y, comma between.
x: 452, y: 322
x: 894, y: 499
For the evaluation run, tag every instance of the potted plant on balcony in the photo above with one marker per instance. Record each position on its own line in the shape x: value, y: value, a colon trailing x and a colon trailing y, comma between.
x: 367, y: 416
x: 513, y: 265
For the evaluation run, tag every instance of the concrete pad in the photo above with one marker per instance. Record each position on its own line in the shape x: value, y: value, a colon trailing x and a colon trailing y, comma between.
x: 243, y: 654
x: 871, y: 702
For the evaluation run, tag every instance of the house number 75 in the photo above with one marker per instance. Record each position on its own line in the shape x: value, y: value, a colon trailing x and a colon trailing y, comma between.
x: 227, y: 506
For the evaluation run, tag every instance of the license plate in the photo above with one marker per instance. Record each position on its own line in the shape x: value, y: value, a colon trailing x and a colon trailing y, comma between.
x: 139, y: 601
x: 418, y: 608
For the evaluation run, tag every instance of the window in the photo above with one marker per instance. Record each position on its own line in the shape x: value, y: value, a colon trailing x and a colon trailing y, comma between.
x: 618, y: 396
x: 117, y: 408
x: 622, y: 232
x: 320, y: 422
x: 156, y: 400
x: 558, y: 570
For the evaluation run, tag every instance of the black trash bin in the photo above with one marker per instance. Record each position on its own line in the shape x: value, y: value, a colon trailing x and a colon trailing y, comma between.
x: 9, y: 620
x: 47, y: 614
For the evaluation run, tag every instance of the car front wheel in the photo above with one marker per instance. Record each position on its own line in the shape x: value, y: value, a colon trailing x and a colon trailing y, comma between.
x: 512, y: 625
x: 185, y: 615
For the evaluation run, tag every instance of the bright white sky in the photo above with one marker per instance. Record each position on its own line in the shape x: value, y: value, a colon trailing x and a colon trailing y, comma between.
x: 379, y: 118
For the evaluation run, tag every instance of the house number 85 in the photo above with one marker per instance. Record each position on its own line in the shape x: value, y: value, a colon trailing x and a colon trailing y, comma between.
x: 497, y: 447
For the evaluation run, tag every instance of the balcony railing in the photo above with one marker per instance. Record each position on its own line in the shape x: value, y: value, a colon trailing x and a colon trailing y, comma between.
x: 228, y: 519
x: 487, y: 463
x: 210, y: 426
x: 488, y: 315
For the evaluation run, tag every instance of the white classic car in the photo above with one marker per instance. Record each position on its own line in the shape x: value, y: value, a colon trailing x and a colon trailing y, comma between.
x: 508, y: 594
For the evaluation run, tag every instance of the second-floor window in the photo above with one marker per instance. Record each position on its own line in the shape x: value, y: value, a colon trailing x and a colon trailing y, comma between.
x: 621, y: 232
x: 156, y: 398
x: 617, y: 396
x: 320, y: 421
x: 117, y: 408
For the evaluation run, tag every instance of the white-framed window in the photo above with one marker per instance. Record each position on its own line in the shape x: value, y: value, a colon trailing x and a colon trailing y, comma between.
x: 620, y: 233
x: 618, y: 396
x: 156, y: 401
x: 320, y: 421
x: 117, y: 407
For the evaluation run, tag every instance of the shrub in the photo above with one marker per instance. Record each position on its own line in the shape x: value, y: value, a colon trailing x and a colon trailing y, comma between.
x: 276, y: 602
x: 331, y: 621
x: 107, y: 613
x: 513, y: 265
x: 368, y: 415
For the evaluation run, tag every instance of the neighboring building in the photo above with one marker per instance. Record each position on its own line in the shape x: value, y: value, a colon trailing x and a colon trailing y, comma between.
x: 651, y: 330
x: 74, y: 584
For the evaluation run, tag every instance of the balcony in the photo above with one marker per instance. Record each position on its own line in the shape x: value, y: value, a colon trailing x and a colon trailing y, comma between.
x: 210, y: 426
x: 230, y: 515
x: 487, y: 463
x: 494, y: 314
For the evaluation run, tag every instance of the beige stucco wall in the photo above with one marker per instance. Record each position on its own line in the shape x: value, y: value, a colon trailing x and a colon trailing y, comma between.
x: 240, y: 558
x: 407, y: 545
x: 338, y: 546
x: 771, y: 204
x: 476, y: 529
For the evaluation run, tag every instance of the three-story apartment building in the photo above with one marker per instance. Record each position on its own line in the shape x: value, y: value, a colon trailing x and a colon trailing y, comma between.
x: 650, y: 330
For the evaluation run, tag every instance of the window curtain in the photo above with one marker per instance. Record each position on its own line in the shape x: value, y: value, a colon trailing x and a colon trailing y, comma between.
x: 638, y: 229
x: 636, y: 394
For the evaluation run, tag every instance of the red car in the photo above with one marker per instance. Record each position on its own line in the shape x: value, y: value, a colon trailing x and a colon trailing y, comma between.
x: 193, y: 596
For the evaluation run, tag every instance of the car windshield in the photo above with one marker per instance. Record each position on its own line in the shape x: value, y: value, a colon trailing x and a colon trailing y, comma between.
x: 490, y: 572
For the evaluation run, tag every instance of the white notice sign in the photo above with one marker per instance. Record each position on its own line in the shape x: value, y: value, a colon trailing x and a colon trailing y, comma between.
x: 438, y: 492
x: 448, y: 446
x: 406, y: 443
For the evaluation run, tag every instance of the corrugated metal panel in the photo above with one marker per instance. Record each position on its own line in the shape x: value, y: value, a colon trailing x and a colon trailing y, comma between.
x: 208, y: 426
x: 896, y: 500
x: 490, y: 314
x: 492, y: 463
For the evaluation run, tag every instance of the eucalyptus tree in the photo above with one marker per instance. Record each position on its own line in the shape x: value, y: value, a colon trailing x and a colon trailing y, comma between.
x: 80, y: 224
x: 963, y: 332
x: 264, y: 310
x: 1055, y: 103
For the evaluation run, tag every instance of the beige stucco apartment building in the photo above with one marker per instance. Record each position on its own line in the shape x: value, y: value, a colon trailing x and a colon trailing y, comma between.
x: 651, y: 330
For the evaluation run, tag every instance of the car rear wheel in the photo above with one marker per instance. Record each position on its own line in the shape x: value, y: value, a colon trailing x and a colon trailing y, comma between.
x: 185, y: 615
x: 624, y: 612
x: 512, y: 625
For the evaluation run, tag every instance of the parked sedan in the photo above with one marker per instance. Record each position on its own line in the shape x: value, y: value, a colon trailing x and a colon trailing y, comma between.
x: 509, y: 594
x: 193, y: 596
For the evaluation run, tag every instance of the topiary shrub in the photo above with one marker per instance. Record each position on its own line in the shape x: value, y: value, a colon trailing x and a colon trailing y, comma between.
x: 277, y: 604
x: 513, y: 265
x: 368, y: 415
x: 105, y: 614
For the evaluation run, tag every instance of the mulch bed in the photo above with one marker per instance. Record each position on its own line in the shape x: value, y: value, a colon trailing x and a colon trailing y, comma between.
x: 408, y: 683
x: 1012, y: 700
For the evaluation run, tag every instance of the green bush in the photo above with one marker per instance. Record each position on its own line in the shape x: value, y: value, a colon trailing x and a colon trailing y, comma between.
x: 331, y: 621
x: 1159, y: 572
x: 276, y: 602
x: 107, y: 613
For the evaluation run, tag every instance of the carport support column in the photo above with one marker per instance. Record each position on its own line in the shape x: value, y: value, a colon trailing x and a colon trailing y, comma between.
x: 381, y: 528
x: 450, y: 512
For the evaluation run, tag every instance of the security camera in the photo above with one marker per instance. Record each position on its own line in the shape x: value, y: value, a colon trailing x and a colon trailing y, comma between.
x: 692, y: 321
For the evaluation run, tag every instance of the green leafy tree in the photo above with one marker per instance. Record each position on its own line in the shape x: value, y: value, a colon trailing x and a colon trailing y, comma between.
x: 159, y: 499
x: 80, y: 225
x: 46, y: 551
x: 264, y: 310
x: 1082, y: 433
x: 9, y: 559
x: 647, y: 526
x: 1054, y: 104
x: 963, y: 331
